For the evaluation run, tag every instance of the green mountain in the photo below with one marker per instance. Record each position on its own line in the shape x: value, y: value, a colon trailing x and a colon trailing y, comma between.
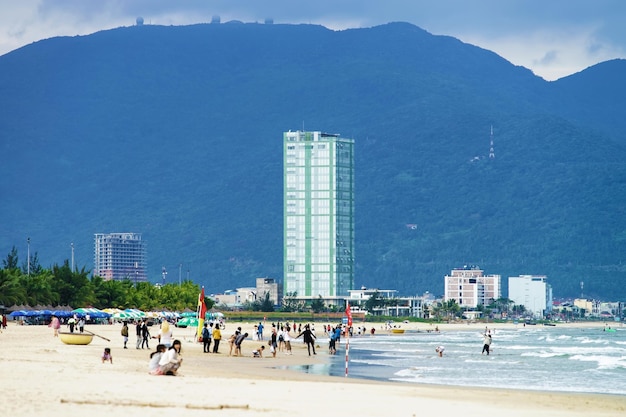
x: 176, y: 133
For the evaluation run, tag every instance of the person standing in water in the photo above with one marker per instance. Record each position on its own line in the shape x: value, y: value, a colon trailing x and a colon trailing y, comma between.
x: 486, y: 343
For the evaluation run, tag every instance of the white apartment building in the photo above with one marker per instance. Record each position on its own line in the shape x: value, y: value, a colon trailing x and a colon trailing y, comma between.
x: 533, y: 292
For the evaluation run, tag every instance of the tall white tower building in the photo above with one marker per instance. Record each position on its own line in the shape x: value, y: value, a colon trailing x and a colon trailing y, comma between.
x: 318, y: 215
x: 120, y: 256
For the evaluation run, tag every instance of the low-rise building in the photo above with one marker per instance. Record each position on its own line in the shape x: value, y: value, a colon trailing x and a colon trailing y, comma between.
x: 470, y: 287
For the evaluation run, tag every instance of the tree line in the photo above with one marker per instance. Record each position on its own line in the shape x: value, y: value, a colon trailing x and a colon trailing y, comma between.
x: 32, y: 285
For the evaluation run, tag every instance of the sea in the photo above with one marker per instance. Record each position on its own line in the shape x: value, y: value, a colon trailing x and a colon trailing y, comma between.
x: 545, y: 358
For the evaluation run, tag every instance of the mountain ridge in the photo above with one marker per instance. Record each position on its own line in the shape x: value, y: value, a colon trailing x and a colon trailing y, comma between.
x: 175, y: 132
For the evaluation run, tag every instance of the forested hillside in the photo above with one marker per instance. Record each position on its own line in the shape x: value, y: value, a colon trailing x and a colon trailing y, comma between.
x: 175, y: 132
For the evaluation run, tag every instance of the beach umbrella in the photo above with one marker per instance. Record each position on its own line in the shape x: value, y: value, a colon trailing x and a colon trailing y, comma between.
x: 187, y: 322
x: 188, y: 314
x: 122, y: 315
x: 17, y: 313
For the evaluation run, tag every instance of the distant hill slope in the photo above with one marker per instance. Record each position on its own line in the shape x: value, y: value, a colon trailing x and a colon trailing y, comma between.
x: 175, y: 132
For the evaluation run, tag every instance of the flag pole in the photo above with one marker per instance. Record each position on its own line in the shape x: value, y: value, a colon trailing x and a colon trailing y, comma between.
x: 349, y: 314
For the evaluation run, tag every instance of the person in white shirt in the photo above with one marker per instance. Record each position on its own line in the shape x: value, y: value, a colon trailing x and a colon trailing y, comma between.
x: 171, y: 360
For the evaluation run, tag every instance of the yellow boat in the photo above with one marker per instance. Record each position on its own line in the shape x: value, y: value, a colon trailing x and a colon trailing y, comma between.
x: 75, y: 338
x: 397, y: 331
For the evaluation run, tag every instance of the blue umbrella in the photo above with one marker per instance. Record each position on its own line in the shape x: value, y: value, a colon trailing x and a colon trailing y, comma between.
x: 18, y: 313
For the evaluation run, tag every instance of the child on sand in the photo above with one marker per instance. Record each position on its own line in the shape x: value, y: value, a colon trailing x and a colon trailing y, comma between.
x: 106, y: 356
x: 258, y: 353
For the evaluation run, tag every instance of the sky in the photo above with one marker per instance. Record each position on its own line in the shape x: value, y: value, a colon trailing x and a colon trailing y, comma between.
x: 553, y: 38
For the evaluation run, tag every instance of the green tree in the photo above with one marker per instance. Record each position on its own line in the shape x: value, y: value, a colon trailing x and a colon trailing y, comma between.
x: 11, y: 292
x: 267, y: 305
x: 317, y: 305
x: 291, y: 303
x: 375, y: 301
x: 73, y: 287
x: 39, y: 288
x: 11, y: 260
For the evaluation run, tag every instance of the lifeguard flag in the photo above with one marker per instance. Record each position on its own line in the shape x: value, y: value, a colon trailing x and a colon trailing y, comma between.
x: 201, y: 312
x: 349, y: 313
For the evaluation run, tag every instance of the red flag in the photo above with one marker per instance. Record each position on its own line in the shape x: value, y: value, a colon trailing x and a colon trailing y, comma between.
x: 349, y: 313
x: 201, y: 312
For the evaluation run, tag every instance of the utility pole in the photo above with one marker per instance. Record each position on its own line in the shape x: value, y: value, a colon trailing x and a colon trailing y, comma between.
x: 72, y: 245
x: 28, y: 258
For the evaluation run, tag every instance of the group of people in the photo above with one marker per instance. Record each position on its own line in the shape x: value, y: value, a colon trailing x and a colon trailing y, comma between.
x: 210, y: 332
x: 143, y: 334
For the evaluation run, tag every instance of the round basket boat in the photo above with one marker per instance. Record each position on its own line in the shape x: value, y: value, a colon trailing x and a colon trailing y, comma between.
x: 397, y: 331
x: 75, y: 338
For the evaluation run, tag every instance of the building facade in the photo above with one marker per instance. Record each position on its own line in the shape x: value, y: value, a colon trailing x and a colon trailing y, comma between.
x: 120, y: 256
x: 533, y: 292
x: 318, y: 215
x: 469, y: 287
x: 269, y: 286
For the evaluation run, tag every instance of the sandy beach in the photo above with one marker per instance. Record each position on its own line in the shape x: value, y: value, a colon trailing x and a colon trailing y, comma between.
x: 41, y: 376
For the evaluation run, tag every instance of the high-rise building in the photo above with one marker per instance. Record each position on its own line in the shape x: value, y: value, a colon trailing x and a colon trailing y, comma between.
x: 120, y: 256
x: 469, y: 287
x: 533, y: 292
x: 318, y: 215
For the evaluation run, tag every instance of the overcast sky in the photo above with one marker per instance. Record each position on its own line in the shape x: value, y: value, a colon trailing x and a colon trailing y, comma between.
x: 553, y: 38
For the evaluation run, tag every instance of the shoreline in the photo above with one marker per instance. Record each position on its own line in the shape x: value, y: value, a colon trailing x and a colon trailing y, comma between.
x: 44, y: 377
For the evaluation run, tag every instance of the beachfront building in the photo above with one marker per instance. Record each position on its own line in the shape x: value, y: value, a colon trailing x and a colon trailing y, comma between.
x: 269, y: 286
x: 318, y: 216
x: 390, y: 304
x: 470, y: 287
x: 120, y: 256
x: 533, y: 292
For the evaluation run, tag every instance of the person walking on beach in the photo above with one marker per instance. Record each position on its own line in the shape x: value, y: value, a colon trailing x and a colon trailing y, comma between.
x: 486, y: 343
x: 206, y: 339
x: 125, y: 333
x: 217, y: 336
x: 145, y: 335
x: 56, y: 325
x: 260, y: 331
x: 81, y: 324
x: 138, y: 331
x: 71, y: 323
x: 309, y: 339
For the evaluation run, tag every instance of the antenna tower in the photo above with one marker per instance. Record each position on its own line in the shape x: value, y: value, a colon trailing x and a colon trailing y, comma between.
x: 492, y: 154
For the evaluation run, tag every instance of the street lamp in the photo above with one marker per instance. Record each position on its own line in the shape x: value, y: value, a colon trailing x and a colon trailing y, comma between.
x: 28, y: 258
x: 72, y: 245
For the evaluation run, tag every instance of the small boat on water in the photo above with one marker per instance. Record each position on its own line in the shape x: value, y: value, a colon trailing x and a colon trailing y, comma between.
x: 75, y: 338
x: 397, y: 331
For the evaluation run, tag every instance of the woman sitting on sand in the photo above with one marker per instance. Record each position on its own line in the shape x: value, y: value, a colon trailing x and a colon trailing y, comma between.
x: 155, y: 357
x: 170, y: 360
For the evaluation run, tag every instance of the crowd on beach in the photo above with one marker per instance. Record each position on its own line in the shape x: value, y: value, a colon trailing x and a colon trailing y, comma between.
x: 167, y: 359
